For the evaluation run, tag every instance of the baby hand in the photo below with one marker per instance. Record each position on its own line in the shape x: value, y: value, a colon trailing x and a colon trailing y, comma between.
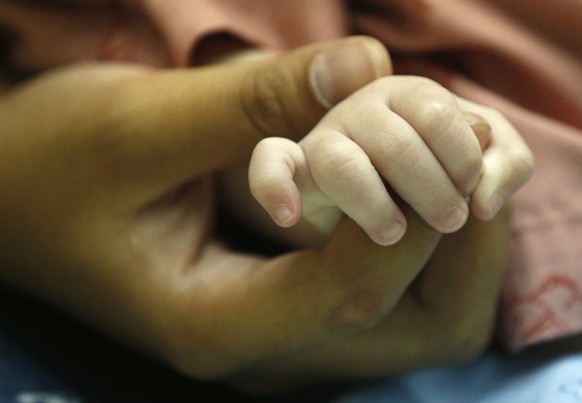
x: 407, y: 132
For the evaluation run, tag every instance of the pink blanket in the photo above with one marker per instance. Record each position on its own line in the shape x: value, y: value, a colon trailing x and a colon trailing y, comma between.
x: 523, y: 57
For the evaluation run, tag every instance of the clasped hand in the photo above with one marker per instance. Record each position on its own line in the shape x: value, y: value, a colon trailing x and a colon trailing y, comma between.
x: 107, y: 213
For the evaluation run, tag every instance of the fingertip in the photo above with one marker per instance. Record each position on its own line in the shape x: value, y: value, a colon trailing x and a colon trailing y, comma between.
x: 480, y: 212
x: 487, y: 208
x: 388, y: 234
x: 495, y: 203
x: 455, y: 218
x: 284, y: 216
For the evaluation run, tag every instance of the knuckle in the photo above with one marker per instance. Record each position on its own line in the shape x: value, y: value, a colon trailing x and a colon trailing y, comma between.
x: 337, y: 156
x: 438, y: 107
x: 401, y: 147
x: 439, y: 114
x: 363, y: 308
x: 264, y: 103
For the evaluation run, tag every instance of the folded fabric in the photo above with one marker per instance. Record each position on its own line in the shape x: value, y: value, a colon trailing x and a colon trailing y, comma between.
x: 522, y: 57
x: 493, y: 378
x: 525, y: 59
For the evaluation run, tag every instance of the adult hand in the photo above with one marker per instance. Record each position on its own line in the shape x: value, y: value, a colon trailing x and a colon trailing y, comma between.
x: 107, y: 207
x: 446, y: 316
x: 107, y: 202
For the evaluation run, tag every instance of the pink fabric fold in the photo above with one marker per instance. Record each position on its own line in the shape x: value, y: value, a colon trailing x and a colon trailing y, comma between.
x: 262, y: 23
x: 529, y: 66
x: 542, y: 297
x: 523, y: 57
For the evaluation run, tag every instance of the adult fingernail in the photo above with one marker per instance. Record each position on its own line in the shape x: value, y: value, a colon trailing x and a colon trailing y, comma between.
x: 345, y: 67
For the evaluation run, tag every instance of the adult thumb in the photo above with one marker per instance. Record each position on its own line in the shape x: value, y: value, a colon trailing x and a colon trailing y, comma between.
x: 204, y: 119
x: 288, y: 95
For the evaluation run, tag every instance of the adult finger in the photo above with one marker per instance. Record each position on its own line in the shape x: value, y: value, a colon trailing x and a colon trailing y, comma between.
x: 174, y: 124
x: 460, y: 285
x: 297, y: 301
x: 445, y: 317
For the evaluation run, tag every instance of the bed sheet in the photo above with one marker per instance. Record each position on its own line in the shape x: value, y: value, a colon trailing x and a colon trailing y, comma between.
x: 494, y: 378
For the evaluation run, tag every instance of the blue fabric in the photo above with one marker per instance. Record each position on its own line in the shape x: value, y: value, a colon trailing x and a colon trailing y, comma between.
x: 495, y: 378
x: 48, y: 358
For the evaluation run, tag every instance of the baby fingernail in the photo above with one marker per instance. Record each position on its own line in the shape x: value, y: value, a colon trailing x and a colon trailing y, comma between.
x: 390, y: 233
x: 455, y: 218
x: 283, y: 215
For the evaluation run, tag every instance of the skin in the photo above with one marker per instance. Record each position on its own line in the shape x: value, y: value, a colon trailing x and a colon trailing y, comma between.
x: 107, y: 212
x: 407, y: 132
x: 426, y: 327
